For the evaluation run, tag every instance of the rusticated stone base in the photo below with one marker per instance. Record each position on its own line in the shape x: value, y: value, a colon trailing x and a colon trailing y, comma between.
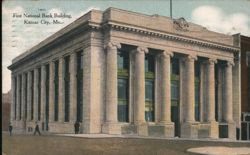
x: 208, y: 130
x: 142, y: 129
x: 56, y: 127
x: 129, y: 129
x: 189, y: 130
x: 111, y: 128
x: 161, y: 130
x: 232, y: 131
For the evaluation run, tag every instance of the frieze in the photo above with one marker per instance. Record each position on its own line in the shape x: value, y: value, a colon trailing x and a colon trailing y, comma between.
x: 174, y: 38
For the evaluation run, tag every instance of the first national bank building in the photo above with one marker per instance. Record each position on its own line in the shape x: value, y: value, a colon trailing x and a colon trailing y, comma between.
x: 121, y: 72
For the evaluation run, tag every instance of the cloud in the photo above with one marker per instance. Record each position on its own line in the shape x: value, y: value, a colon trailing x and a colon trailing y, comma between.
x: 213, y: 18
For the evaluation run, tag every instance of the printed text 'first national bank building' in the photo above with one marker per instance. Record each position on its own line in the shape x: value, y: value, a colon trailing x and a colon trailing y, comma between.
x: 121, y: 72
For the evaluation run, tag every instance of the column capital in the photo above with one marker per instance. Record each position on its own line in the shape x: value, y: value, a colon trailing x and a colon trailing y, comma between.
x: 230, y: 63
x: 73, y: 53
x: 141, y: 49
x: 112, y: 45
x: 61, y: 57
x: 166, y: 54
x: 211, y: 61
x: 190, y: 58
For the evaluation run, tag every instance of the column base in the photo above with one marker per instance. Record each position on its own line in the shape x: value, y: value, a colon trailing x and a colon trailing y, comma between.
x: 189, y: 130
x: 162, y: 130
x: 208, y: 130
x: 214, y: 130
x: 232, y: 130
x: 142, y: 129
x: 111, y: 128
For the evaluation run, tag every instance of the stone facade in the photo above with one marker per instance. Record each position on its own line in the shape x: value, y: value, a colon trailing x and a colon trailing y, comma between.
x: 177, y: 80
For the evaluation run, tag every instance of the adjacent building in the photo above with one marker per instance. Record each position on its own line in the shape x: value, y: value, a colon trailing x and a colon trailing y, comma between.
x: 245, y: 86
x: 245, y: 73
x: 122, y: 72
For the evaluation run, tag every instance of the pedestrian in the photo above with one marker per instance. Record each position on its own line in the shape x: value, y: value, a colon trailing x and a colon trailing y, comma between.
x: 37, y: 129
x: 77, y: 126
x: 10, y: 128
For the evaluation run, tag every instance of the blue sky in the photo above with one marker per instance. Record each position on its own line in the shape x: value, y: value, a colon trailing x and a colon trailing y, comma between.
x: 224, y: 16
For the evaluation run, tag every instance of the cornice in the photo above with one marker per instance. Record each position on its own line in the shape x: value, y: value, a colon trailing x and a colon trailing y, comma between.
x: 172, y: 37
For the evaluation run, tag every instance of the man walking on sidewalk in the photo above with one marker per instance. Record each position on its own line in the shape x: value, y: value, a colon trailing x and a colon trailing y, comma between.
x: 37, y: 129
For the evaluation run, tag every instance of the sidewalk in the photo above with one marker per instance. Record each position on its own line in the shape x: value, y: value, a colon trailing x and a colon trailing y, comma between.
x: 147, y: 137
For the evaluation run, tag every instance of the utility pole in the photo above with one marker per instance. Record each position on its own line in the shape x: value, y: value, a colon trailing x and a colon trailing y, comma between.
x: 171, y: 9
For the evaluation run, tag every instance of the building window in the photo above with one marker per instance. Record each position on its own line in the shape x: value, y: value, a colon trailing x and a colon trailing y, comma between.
x: 197, y: 91
x: 248, y: 78
x: 79, y: 114
x: 20, y: 97
x: 67, y: 90
x: 175, y: 93
x: 219, y: 91
x: 123, y: 76
x: 15, y: 83
x: 32, y: 95
x: 39, y: 93
x: 56, y: 84
x: 26, y: 95
x: 216, y: 93
x: 248, y: 59
x: 149, y: 87
x: 47, y: 97
x: 122, y: 100
x: 223, y: 92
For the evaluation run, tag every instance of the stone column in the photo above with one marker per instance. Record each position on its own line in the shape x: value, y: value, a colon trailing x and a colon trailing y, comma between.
x: 13, y: 90
x: 140, y: 91
x: 23, y: 95
x: 35, y: 94
x: 43, y: 92
x: 61, y: 99
x: 111, y: 92
x: 51, y: 90
x: 210, y: 91
x: 229, y: 101
x: 29, y: 96
x: 189, y: 128
x: 166, y: 88
x: 229, y: 93
x: 18, y: 98
x: 140, y: 85
x: 190, y: 94
x: 210, y: 99
x: 73, y: 87
x: 166, y: 94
